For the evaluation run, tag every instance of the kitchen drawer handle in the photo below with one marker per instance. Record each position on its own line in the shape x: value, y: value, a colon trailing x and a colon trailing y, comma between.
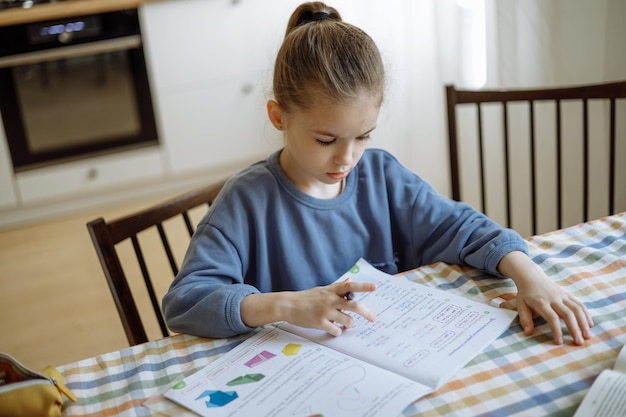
x: 71, y: 51
x: 92, y: 174
x: 247, y: 89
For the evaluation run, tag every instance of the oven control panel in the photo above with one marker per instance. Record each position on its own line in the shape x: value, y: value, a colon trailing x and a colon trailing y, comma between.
x: 64, y: 30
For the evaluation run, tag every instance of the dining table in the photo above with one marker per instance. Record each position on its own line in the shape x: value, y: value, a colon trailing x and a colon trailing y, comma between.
x: 516, y: 375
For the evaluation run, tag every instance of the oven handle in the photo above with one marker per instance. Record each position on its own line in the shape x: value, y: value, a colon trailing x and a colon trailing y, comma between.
x: 72, y: 51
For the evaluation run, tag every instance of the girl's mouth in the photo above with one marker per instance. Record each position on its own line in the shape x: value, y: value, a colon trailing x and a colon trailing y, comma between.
x: 338, y: 175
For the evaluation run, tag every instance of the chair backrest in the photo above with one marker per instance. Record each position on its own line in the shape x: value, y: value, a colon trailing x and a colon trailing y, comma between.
x: 539, y: 159
x: 111, y: 240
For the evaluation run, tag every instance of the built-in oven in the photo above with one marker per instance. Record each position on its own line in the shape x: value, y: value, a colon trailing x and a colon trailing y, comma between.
x: 73, y: 88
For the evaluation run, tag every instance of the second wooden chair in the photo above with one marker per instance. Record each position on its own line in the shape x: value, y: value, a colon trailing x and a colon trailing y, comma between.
x: 109, y: 236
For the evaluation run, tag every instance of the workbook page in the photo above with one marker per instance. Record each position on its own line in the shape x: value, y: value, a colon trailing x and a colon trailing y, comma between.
x: 276, y: 374
x: 423, y: 333
x: 607, y: 395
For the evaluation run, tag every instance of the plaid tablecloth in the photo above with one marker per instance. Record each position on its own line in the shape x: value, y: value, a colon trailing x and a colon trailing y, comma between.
x: 516, y: 375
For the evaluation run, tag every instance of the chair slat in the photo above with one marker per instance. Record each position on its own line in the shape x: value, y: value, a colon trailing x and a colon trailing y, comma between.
x: 149, y: 287
x: 187, y: 220
x: 586, y: 156
x: 507, y: 165
x: 613, y: 154
x: 451, y: 102
x: 481, y: 157
x: 533, y: 168
x: 167, y: 248
x: 559, y: 165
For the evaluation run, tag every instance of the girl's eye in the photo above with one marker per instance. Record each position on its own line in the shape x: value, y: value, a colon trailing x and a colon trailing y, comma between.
x: 325, y: 142
x: 328, y: 142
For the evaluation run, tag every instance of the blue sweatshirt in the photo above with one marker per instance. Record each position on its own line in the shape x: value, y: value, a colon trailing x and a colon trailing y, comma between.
x: 262, y: 234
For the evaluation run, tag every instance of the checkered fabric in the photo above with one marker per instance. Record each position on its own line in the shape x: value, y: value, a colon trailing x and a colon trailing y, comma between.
x: 515, y: 376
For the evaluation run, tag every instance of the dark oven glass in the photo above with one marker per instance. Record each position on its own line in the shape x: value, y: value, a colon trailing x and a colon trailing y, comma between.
x: 73, y: 88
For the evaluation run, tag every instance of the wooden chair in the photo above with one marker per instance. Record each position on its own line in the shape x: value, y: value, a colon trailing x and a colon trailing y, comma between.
x: 541, y: 159
x: 167, y: 219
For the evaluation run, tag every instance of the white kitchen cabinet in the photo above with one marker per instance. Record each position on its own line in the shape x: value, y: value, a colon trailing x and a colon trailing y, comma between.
x: 191, y: 41
x: 8, y: 198
x: 215, y: 125
x: 210, y: 64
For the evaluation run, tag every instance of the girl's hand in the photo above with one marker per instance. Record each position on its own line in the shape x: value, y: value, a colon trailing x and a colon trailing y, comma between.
x: 537, y: 294
x: 318, y: 308
x: 323, y: 307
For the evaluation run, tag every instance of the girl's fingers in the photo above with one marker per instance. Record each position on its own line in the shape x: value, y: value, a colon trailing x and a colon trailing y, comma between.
x: 347, y: 286
x: 581, y: 319
x: 358, y: 308
x: 331, y: 328
x: 525, y: 317
x: 573, y: 313
x: 571, y: 322
x: 554, y: 321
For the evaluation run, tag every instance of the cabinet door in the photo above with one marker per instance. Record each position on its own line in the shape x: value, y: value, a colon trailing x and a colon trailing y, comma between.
x: 216, y: 126
x: 193, y: 41
x: 210, y: 63
x: 7, y: 188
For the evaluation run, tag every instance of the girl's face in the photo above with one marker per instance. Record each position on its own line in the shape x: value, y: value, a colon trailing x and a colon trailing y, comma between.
x: 323, y: 144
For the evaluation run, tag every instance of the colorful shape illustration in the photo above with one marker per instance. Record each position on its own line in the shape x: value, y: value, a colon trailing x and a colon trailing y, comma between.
x: 180, y: 385
x: 245, y: 379
x: 218, y: 398
x: 291, y: 349
x: 259, y: 359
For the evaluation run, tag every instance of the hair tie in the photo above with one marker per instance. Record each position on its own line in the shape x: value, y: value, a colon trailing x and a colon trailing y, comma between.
x: 318, y: 16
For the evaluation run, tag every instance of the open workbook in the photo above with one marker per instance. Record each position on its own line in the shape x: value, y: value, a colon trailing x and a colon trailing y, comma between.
x: 421, y: 337
x: 607, y: 395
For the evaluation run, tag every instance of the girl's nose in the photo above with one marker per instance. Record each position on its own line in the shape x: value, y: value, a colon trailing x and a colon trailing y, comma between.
x: 343, y: 156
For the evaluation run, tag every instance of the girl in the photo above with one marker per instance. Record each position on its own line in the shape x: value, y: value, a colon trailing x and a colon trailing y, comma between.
x: 285, y: 228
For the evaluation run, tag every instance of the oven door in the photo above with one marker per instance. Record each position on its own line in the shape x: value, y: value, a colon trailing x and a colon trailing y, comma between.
x: 75, y: 101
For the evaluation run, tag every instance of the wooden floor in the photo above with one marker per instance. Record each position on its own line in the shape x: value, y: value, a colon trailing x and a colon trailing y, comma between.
x: 55, y: 306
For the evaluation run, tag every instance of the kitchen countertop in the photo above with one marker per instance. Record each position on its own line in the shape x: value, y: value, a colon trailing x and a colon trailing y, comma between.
x: 61, y: 9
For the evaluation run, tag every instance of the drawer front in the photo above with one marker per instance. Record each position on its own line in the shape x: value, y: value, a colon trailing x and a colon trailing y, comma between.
x: 89, y: 176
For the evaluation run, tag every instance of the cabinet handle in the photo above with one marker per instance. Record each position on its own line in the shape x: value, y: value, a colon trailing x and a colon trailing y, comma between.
x: 92, y: 174
x: 247, y: 89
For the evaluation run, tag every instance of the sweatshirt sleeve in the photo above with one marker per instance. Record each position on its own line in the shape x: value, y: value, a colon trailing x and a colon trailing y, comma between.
x: 454, y: 232
x: 429, y: 227
x: 204, y: 299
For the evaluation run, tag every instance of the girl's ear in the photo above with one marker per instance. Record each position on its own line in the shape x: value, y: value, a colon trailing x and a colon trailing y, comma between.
x: 276, y: 115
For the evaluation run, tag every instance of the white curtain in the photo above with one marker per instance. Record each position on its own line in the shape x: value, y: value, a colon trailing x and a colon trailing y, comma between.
x: 531, y: 43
